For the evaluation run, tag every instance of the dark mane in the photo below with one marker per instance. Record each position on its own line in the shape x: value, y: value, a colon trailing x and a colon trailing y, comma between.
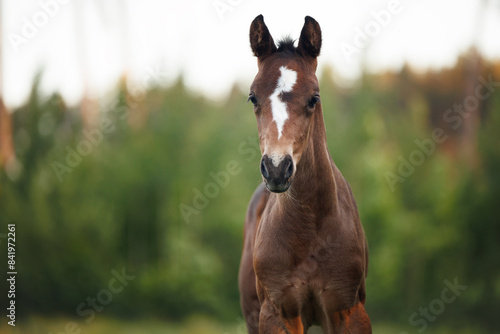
x: 286, y: 45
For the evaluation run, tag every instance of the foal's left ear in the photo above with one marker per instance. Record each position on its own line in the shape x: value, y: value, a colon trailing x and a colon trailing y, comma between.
x: 310, y: 38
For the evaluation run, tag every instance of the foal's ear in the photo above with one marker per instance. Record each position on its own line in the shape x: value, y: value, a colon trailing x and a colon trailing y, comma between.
x: 310, y: 38
x: 260, y: 39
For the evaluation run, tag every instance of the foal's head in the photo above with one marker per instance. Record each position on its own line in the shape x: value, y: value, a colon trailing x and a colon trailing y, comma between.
x: 285, y: 95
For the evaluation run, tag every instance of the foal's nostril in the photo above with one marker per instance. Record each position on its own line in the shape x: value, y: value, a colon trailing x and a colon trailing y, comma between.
x: 263, y: 169
x: 289, y: 168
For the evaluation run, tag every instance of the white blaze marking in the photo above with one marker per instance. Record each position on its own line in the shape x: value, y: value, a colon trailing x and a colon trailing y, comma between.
x: 285, y: 84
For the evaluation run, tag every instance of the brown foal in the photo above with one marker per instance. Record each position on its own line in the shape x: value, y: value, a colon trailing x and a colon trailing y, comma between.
x: 305, y: 254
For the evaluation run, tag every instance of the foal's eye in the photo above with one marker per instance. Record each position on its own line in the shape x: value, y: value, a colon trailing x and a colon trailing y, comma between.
x: 313, y: 101
x: 252, y: 98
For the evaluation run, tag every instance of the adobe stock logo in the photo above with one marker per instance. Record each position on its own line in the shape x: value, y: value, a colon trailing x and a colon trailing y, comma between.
x: 455, y: 117
x: 436, y: 307
x: 201, y: 198
x: 92, y: 138
x: 99, y: 301
x: 371, y: 29
x: 250, y: 149
x: 30, y: 27
x: 222, y: 7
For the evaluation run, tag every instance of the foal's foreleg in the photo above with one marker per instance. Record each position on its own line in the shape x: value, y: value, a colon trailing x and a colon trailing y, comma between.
x: 272, y: 322
x: 252, y: 313
x: 353, y: 321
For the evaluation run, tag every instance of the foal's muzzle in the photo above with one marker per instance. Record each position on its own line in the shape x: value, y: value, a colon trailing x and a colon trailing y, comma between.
x: 277, y: 179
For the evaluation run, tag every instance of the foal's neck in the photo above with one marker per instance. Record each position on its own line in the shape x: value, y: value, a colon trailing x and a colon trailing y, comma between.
x: 314, y: 183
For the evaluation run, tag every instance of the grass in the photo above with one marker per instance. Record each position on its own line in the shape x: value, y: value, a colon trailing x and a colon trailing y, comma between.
x: 194, y: 325
x: 43, y: 325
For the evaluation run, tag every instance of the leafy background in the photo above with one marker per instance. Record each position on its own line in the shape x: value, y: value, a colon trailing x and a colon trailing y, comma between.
x: 120, y: 207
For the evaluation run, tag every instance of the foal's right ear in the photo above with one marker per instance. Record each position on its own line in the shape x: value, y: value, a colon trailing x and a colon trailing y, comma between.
x: 260, y: 39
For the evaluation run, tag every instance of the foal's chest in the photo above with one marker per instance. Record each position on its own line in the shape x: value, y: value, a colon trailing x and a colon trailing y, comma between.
x: 301, y: 273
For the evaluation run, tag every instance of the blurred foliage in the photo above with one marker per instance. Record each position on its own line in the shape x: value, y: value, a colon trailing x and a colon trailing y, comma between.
x: 121, y: 206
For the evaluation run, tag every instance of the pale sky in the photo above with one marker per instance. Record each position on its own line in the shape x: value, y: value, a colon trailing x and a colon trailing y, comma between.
x: 207, y: 40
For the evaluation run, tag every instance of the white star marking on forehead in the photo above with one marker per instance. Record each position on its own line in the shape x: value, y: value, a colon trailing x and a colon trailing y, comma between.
x: 285, y: 84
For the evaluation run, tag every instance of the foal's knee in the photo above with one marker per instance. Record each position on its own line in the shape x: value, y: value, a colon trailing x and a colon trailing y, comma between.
x: 271, y: 321
x: 354, y: 320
